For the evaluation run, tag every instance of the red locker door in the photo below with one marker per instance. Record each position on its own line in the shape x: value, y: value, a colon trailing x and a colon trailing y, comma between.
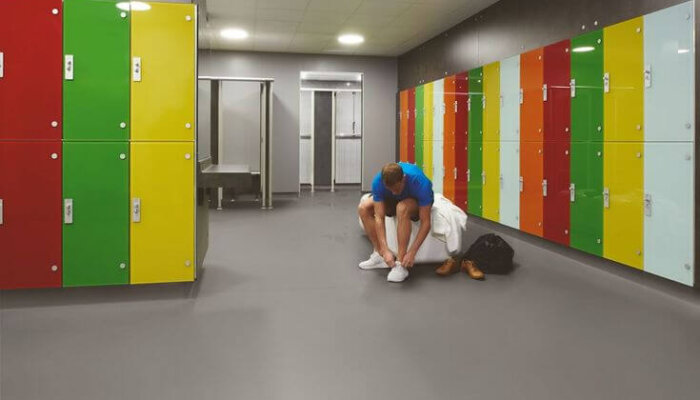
x: 461, y: 124
x: 531, y: 175
x: 449, y: 125
x: 555, y: 190
x: 31, y: 77
x: 30, y: 225
x: 557, y: 92
x: 411, y: 136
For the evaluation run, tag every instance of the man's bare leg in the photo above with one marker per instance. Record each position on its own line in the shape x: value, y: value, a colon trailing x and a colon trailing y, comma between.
x: 366, y: 213
x: 405, y: 210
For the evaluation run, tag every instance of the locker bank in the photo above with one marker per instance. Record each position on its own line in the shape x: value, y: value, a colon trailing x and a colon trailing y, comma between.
x: 181, y: 183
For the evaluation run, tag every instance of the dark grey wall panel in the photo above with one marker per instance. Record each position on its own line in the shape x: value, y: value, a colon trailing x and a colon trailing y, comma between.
x: 323, y: 132
x: 511, y: 27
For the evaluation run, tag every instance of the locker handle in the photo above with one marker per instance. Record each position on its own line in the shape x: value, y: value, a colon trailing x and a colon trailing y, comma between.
x: 544, y: 187
x: 469, y: 104
x: 647, y: 76
x: 522, y: 96
x: 606, y: 197
x: 68, y: 211
x: 573, y: 87
x: 483, y: 102
x: 572, y: 192
x: 469, y: 175
x: 522, y: 184
x: 69, y: 67
x: 500, y: 180
x: 136, y: 210
x: 606, y: 82
x: 455, y: 107
x: 2, y: 213
x: 544, y: 92
x: 483, y: 177
x: 455, y: 173
x: 137, y: 69
x: 647, y: 205
x: 2, y: 64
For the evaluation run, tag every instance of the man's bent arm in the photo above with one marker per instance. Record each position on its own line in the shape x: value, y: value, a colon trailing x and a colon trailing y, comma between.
x: 379, y: 223
x: 424, y: 229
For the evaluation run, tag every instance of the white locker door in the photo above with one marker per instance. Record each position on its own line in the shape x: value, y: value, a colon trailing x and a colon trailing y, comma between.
x: 510, y: 184
x: 438, y: 122
x: 438, y: 168
x: 669, y: 211
x: 669, y: 63
x: 510, y: 99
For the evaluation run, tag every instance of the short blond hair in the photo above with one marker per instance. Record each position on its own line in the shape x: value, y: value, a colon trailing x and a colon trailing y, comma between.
x: 392, y: 174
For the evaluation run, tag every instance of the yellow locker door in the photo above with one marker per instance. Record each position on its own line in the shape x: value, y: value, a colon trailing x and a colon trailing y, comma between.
x: 623, y: 203
x: 492, y: 102
x: 623, y: 81
x: 162, y: 212
x: 163, y: 51
x: 491, y: 180
x: 428, y: 130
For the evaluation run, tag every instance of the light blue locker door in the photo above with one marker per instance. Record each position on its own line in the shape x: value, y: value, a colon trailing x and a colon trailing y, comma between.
x: 438, y: 113
x: 510, y: 183
x: 438, y: 167
x: 668, y: 211
x: 510, y: 99
x: 669, y: 64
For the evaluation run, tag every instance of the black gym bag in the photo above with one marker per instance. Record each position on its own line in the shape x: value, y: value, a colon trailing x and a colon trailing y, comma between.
x: 491, y: 254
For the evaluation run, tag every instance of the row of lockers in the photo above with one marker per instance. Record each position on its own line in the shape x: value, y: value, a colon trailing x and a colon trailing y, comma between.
x: 96, y: 213
x: 598, y: 167
x: 93, y: 70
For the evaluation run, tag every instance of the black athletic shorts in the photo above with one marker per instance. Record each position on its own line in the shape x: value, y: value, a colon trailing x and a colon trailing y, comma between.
x: 390, y: 208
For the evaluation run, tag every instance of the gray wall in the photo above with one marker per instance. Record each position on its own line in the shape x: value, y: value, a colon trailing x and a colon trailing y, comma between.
x: 380, y: 87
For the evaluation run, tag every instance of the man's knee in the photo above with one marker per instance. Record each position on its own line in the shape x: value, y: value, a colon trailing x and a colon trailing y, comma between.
x: 365, y: 209
x: 405, y: 208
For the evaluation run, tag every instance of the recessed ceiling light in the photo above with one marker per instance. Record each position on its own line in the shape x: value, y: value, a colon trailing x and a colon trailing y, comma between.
x: 234, y: 33
x: 351, y: 39
x: 133, y: 6
x: 583, y: 49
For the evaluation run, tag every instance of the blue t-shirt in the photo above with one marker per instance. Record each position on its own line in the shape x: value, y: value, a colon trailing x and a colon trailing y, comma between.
x: 418, y: 186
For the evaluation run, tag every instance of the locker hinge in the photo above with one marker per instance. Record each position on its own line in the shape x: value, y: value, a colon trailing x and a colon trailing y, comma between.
x: 647, y: 205
x: 69, y: 67
x: 544, y: 92
x: 522, y: 184
x: 572, y: 192
x: 606, y: 82
x: 606, y: 197
x: 544, y: 187
x: 68, y: 211
x: 2, y: 64
x: 647, y: 76
x: 572, y: 84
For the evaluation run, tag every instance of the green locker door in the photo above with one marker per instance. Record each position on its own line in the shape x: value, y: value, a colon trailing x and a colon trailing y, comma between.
x: 587, y: 87
x: 475, y: 133
x: 475, y: 178
x: 587, y: 197
x: 96, y: 213
x: 96, y: 71
x: 420, y: 115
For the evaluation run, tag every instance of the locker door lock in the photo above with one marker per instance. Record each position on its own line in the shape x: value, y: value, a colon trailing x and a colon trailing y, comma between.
x: 647, y: 205
x: 544, y: 187
x: 68, y: 211
x: 69, y: 67
x: 522, y: 184
x: 573, y: 87
x: 2, y: 213
x: 572, y: 192
x: 137, y: 69
x: 647, y: 76
x: 606, y: 82
x: 522, y: 96
x: 544, y: 92
x: 136, y: 210
x: 606, y: 197
x: 2, y: 65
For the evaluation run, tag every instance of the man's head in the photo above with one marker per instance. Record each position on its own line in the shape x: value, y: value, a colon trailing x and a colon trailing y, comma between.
x: 393, y: 178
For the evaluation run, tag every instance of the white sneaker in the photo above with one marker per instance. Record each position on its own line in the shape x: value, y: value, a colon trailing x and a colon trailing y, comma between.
x: 374, y: 261
x: 397, y: 274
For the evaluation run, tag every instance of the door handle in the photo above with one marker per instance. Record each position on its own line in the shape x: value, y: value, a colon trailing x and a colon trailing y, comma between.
x: 483, y: 177
x: 544, y: 92
x: 137, y: 69
x: 522, y: 184
x: 606, y: 82
x: 469, y: 104
x: 544, y: 187
x: 2, y: 213
x: 647, y: 205
x: 483, y: 102
x: 606, y: 197
x: 573, y: 87
x: 500, y: 180
x: 69, y: 67
x: 572, y: 192
x: 522, y: 96
x: 469, y: 175
x: 456, y: 107
x: 647, y: 76
x: 136, y: 210
x: 68, y: 211
x: 455, y: 173
x: 2, y: 64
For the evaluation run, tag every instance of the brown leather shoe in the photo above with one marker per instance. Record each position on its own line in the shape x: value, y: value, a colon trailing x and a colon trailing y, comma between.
x: 449, y: 267
x: 471, y: 269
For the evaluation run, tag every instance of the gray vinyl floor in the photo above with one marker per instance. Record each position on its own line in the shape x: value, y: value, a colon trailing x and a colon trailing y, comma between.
x: 283, y: 312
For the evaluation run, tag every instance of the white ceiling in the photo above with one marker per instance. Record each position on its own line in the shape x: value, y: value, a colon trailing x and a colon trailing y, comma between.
x: 390, y: 27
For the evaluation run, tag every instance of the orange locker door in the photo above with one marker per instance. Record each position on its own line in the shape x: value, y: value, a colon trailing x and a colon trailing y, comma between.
x: 531, y: 187
x: 531, y: 106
